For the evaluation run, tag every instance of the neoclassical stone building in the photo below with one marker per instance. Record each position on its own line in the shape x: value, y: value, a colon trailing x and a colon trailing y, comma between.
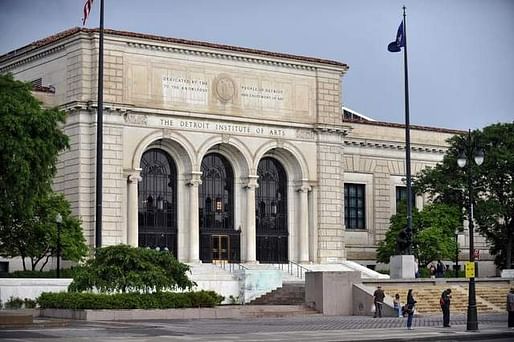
x: 222, y: 153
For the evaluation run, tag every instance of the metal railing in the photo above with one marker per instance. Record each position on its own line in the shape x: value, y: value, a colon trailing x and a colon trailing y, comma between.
x: 229, y: 266
x: 293, y: 269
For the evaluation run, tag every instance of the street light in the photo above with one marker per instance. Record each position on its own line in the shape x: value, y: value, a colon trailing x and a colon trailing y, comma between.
x: 58, y: 221
x: 470, y: 149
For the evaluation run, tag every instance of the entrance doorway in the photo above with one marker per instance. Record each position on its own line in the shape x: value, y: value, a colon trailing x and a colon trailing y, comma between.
x: 219, y: 240
x: 220, y: 248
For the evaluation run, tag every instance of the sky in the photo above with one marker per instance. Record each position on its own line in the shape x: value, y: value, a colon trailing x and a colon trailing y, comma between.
x: 460, y: 52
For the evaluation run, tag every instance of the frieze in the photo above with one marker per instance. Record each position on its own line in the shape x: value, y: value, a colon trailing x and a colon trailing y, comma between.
x: 228, y: 129
x: 136, y: 119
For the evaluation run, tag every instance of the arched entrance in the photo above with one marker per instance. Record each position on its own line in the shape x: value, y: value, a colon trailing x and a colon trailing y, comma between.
x: 271, y: 212
x: 157, y: 201
x: 218, y: 238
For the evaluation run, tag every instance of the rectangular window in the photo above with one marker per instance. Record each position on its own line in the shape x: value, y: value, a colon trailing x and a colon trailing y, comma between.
x: 401, y: 196
x: 354, y: 206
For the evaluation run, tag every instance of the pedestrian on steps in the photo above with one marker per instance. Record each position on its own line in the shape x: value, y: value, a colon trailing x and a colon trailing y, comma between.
x: 397, y: 305
x: 378, y: 300
x: 410, y: 307
x: 510, y: 307
x: 445, y: 299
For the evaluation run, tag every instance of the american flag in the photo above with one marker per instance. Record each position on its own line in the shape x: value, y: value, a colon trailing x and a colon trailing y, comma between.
x: 87, y: 9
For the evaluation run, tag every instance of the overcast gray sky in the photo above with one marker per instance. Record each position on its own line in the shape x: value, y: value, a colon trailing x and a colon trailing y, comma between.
x: 461, y: 52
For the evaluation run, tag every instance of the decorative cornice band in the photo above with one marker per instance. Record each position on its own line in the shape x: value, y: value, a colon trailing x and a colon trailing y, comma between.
x: 32, y: 58
x: 377, y: 145
x: 219, y: 56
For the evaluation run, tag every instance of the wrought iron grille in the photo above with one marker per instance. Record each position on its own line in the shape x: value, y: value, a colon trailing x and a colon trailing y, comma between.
x: 271, y: 211
x: 157, y: 201
x: 216, y: 206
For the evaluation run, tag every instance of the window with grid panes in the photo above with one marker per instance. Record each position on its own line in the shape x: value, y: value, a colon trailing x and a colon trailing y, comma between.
x: 354, y: 206
x: 401, y: 196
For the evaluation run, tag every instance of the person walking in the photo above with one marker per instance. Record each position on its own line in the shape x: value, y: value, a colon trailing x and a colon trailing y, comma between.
x: 397, y: 305
x: 445, y: 299
x: 378, y: 300
x: 510, y: 307
x: 410, y: 307
x: 439, y: 272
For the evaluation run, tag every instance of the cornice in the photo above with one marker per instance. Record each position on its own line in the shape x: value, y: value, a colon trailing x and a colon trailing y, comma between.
x: 33, y: 57
x: 219, y: 55
x: 394, y: 146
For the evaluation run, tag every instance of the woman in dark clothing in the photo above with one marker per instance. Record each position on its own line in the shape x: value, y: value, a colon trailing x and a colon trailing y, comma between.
x: 510, y: 307
x: 445, y: 299
x: 411, y: 303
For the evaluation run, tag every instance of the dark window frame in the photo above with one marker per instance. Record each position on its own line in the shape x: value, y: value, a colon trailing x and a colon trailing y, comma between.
x: 355, y: 206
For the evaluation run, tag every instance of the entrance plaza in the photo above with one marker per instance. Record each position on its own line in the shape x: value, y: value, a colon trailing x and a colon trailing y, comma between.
x: 271, y: 328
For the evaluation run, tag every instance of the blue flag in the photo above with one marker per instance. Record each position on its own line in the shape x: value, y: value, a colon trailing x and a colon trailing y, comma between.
x: 397, y: 45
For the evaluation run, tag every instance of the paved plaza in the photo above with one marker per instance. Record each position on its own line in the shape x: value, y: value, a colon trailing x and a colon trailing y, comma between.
x: 308, y: 328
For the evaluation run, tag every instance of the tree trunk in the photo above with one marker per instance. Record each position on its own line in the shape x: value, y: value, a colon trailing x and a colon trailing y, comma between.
x: 46, y: 262
x: 23, y: 261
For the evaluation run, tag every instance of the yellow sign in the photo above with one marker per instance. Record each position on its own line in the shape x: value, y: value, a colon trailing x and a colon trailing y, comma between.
x: 470, y: 269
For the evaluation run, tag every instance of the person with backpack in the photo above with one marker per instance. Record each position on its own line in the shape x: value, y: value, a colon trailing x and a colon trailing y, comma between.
x: 444, y: 301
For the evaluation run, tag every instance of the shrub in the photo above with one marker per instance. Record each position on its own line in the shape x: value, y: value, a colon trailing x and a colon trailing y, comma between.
x: 123, y: 269
x: 29, y: 303
x: 14, y: 303
x: 157, y: 300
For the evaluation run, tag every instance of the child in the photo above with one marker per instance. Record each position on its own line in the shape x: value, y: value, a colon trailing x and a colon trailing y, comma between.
x: 397, y: 306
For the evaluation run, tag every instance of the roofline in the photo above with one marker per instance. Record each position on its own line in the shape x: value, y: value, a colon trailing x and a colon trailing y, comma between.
x: 398, y: 125
x: 67, y: 33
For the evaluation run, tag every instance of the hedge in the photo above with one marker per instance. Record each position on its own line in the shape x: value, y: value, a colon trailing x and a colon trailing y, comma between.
x: 65, y: 273
x: 157, y: 300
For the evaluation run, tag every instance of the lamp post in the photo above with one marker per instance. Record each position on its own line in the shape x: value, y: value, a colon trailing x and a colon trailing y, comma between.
x: 456, y: 255
x: 465, y: 161
x: 58, y: 221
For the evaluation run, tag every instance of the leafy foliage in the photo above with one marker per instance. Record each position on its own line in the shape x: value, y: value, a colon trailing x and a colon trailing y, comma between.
x: 433, y: 233
x: 492, y: 183
x: 156, y: 300
x: 30, y: 141
x: 122, y: 268
x: 37, y: 239
x: 65, y: 273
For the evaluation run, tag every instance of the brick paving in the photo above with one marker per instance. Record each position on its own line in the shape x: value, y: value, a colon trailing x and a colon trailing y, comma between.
x: 311, y: 328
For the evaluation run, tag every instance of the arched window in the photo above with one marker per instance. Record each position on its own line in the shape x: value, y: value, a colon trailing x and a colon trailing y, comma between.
x: 271, y: 216
x: 157, y: 201
x: 218, y: 238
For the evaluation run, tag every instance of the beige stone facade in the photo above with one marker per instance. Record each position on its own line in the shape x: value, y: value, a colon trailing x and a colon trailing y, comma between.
x: 192, y: 99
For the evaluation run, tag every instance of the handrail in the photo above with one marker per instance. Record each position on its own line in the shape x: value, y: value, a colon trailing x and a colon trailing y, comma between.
x: 228, y: 266
x: 293, y: 269
x: 300, y: 270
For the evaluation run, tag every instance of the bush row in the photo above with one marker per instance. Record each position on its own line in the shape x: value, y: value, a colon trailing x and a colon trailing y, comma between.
x: 157, y: 300
x: 65, y: 273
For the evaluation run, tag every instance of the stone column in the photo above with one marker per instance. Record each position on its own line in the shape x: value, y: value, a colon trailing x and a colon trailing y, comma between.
x: 250, y: 219
x: 194, y: 229
x: 303, y: 233
x: 132, y: 214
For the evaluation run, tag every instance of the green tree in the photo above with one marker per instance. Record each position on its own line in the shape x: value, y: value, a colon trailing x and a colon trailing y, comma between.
x: 30, y: 140
x: 122, y: 268
x: 493, y: 186
x: 433, y: 231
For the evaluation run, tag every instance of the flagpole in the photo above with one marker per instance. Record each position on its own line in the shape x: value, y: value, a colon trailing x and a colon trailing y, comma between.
x: 407, y: 139
x: 99, y: 132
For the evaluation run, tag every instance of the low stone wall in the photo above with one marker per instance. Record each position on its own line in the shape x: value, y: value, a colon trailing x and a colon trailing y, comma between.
x: 30, y: 288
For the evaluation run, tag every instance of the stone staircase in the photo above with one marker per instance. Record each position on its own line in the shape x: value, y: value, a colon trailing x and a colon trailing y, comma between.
x: 427, y: 297
x: 495, y: 294
x: 288, y: 294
